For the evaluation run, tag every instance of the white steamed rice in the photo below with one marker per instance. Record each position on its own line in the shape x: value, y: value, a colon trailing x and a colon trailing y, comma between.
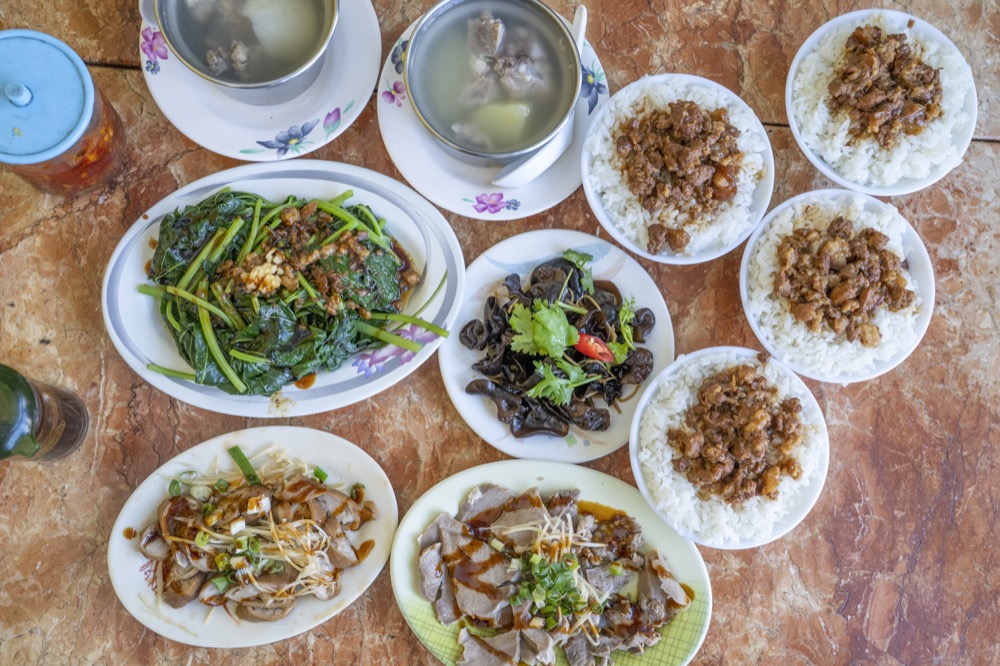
x: 824, y: 352
x: 711, y: 231
x: 865, y: 162
x: 714, y: 521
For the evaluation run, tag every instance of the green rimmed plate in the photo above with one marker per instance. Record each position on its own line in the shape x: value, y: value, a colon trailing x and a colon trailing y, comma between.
x: 681, y: 637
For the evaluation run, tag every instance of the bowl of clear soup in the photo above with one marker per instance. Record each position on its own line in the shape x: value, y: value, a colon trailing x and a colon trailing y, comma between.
x: 492, y: 80
x: 258, y: 52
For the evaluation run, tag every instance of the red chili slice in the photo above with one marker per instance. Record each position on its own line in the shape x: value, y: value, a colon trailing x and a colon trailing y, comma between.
x: 595, y: 348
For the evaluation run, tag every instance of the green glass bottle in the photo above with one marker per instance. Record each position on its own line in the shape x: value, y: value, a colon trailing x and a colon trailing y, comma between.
x: 38, y: 421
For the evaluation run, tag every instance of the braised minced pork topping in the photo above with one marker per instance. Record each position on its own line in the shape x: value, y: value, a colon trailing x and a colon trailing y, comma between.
x: 683, y: 156
x: 284, y: 254
x: 737, y: 439
x: 841, y: 279
x: 884, y: 87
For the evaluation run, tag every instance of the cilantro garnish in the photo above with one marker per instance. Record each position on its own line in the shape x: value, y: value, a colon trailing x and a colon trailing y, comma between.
x: 557, y: 389
x: 626, y: 315
x: 580, y: 259
x: 542, y: 331
x: 620, y: 350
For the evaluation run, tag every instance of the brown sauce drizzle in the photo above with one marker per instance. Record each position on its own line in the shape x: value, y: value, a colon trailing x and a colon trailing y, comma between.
x: 306, y: 382
x: 364, y: 549
x: 467, y: 572
x: 600, y: 512
x: 153, y: 243
x: 129, y: 533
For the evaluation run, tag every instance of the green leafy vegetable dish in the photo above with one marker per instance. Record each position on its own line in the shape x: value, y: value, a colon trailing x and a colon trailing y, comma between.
x: 258, y: 294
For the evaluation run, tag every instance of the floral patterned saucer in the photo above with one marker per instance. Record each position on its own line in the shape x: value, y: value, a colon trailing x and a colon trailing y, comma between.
x: 216, y: 121
x: 468, y: 190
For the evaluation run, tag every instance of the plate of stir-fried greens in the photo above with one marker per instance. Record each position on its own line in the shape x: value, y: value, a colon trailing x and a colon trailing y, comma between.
x: 283, y: 290
x: 252, y: 537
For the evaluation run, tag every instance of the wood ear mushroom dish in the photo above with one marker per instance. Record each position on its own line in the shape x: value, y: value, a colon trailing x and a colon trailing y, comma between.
x: 526, y: 575
x: 556, y: 346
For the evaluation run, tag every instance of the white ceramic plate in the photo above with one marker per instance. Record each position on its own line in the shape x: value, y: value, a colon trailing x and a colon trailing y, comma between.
x: 464, y: 189
x: 140, y: 336
x: 226, y: 126
x: 345, y: 463
x: 762, y: 189
x: 681, y: 637
x: 961, y: 137
x: 808, y: 494
x: 920, y: 268
x: 521, y: 254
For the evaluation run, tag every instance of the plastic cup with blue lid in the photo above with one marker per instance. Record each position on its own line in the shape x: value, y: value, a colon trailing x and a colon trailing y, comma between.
x: 57, y: 131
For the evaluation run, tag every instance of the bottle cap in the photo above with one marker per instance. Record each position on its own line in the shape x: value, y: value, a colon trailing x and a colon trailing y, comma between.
x: 46, y: 97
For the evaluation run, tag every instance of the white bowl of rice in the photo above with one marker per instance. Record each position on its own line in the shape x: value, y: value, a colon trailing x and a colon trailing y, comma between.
x: 912, y: 163
x: 824, y: 355
x: 621, y: 213
x: 713, y: 522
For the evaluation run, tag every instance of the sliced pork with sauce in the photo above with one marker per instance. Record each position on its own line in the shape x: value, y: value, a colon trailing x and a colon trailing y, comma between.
x: 541, y: 572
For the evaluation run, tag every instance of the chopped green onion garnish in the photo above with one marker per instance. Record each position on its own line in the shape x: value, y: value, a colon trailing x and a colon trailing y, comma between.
x: 356, y: 491
x: 221, y: 583
x: 244, y: 464
x: 221, y: 561
x: 616, y: 569
x: 222, y: 485
x: 320, y: 475
x: 174, y: 488
x: 207, y: 508
x: 202, y: 539
x: 200, y: 493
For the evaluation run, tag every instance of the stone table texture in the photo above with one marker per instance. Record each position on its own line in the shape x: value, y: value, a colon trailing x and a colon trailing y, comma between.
x: 896, y: 564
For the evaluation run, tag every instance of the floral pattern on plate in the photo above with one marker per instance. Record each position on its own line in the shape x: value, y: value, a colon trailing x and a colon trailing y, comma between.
x: 592, y: 86
x: 396, y: 57
x: 331, y: 123
x: 493, y: 203
x: 371, y: 362
x: 293, y: 139
x: 155, y: 49
x: 394, y: 93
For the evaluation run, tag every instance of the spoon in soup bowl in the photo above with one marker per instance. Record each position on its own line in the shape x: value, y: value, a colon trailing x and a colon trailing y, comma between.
x: 523, y: 171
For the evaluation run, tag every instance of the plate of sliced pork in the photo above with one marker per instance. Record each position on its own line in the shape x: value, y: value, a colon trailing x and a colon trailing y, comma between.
x: 252, y: 537
x: 533, y: 562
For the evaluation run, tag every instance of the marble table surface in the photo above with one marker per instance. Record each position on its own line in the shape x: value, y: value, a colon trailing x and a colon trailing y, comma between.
x: 896, y: 564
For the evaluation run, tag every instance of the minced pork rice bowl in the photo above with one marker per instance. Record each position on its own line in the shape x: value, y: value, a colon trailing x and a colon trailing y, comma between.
x: 713, y: 521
